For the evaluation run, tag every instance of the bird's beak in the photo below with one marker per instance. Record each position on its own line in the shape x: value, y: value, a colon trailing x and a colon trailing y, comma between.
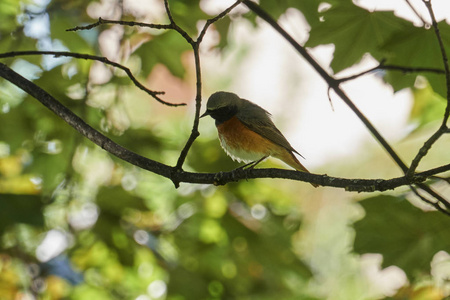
x: 205, y: 114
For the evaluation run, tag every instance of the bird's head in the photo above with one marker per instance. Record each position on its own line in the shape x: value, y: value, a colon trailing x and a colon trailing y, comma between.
x: 222, y: 106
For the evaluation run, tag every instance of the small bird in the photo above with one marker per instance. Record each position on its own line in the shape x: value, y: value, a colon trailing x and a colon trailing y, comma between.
x: 247, y: 133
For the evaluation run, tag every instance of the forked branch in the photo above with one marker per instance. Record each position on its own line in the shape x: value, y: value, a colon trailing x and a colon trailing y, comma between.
x: 176, y: 173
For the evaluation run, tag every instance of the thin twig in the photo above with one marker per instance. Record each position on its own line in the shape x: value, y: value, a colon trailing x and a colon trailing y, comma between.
x: 423, y: 151
x: 352, y: 77
x: 198, y: 99
x: 120, y: 22
x: 432, y: 193
x: 198, y: 103
x: 416, y: 12
x: 411, y: 69
x: 445, y: 179
x: 426, y: 200
x: 403, y: 69
x: 215, y: 19
x: 329, y: 98
x: 194, y: 132
x: 434, y: 171
x: 168, y: 12
x: 102, y: 59
x: 443, y: 128
x: 444, y: 59
x: 174, y: 26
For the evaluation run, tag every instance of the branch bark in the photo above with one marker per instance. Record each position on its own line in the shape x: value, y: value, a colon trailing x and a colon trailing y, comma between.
x: 335, y: 85
x: 331, y: 81
x: 176, y: 173
x: 221, y: 178
x: 101, y: 59
x: 443, y: 128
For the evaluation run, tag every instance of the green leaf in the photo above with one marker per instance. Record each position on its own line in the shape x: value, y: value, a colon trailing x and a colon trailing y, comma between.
x: 223, y: 27
x: 15, y: 129
x: 354, y: 31
x: 10, y: 7
x: 49, y: 140
x: 428, y: 106
x: 113, y: 203
x: 417, y: 47
x: 165, y: 49
x: 72, y: 40
x: 250, y: 257
x: 186, y: 14
x: 116, y: 199
x: 405, y: 235
x: 20, y: 209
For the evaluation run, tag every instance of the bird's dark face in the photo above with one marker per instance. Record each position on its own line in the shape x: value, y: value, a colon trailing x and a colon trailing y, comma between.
x: 222, y: 106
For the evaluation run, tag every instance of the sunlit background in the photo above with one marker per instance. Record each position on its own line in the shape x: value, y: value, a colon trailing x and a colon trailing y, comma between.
x: 260, y: 66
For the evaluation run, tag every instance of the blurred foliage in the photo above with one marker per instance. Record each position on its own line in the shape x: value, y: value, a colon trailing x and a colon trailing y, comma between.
x: 428, y: 105
x: 345, y: 21
x: 405, y: 235
x: 151, y: 55
x: 76, y: 223
x: 384, y: 36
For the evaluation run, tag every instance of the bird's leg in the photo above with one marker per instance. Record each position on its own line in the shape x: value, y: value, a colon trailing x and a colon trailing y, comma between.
x: 245, y: 166
x: 249, y: 166
x: 254, y: 163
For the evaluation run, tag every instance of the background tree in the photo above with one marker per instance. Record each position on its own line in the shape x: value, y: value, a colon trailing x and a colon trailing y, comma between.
x: 77, y: 222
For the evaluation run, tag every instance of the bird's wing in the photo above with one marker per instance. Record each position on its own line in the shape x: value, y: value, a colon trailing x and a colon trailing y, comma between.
x: 258, y: 120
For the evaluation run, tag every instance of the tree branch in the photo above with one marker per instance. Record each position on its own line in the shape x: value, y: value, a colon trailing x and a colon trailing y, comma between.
x: 174, y: 26
x: 119, y: 22
x: 432, y: 193
x: 172, y: 173
x: 434, y: 171
x: 335, y: 85
x: 403, y: 69
x: 78, y: 124
x: 443, y: 128
x: 209, y: 22
x: 416, y: 12
x: 332, y: 83
x: 102, y: 59
x: 195, y: 46
x: 436, y: 205
x: 177, y: 175
x: 198, y: 104
x: 444, y: 60
x: 198, y: 99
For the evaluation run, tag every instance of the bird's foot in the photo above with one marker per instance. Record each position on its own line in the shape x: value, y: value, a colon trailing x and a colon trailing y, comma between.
x: 247, y: 167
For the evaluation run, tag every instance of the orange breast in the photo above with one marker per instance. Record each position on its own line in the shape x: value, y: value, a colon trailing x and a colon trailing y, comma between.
x: 246, y: 145
x: 242, y: 143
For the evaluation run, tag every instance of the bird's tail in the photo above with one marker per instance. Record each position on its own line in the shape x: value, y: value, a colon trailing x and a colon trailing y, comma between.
x: 289, y: 158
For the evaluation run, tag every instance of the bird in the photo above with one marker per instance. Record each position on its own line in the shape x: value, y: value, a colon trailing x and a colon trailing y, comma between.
x: 247, y: 133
